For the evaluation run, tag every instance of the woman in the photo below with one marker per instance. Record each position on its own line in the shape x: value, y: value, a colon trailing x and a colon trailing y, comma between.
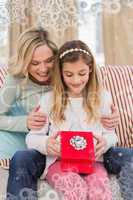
x: 28, y: 79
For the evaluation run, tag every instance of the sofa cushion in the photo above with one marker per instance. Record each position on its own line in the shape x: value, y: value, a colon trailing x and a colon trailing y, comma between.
x: 3, y: 182
x: 3, y: 72
x: 119, y: 81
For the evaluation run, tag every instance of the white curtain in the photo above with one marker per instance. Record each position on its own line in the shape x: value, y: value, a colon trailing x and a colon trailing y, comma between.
x: 118, y: 32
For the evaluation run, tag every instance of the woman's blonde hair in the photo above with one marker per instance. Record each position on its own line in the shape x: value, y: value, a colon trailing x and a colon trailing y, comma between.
x: 71, y: 52
x: 26, y: 45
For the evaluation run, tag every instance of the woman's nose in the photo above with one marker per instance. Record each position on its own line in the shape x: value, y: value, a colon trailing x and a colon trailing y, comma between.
x: 43, y: 67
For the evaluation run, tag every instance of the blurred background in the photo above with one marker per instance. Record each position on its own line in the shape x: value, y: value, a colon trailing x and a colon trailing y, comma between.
x: 105, y: 25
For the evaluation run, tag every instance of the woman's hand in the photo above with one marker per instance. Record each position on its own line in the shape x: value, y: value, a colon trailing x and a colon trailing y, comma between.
x: 53, y: 146
x: 100, y: 146
x: 36, y: 119
x: 110, y: 122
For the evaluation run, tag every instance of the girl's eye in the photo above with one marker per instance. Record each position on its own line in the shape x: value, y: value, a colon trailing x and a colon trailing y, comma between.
x: 69, y: 75
x: 82, y: 74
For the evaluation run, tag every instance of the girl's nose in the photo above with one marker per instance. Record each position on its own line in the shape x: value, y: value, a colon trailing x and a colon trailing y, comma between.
x: 76, y: 79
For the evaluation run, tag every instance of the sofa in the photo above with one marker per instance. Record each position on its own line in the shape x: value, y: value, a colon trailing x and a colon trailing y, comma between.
x: 119, y: 81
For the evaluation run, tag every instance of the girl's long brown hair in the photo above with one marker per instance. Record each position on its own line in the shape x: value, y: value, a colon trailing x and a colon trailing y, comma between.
x: 91, y: 93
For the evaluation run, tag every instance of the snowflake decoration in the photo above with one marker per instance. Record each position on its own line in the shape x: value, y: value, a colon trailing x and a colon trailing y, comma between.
x: 61, y: 16
x: 4, y: 18
x: 126, y: 180
x: 17, y: 10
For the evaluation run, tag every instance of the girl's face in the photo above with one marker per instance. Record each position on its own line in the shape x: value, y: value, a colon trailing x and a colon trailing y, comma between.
x: 41, y: 63
x: 75, y: 76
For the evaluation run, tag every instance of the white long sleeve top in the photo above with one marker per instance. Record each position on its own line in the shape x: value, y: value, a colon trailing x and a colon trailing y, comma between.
x: 75, y: 120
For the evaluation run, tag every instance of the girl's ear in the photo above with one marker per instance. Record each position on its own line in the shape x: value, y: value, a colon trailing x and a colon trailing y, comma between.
x: 90, y: 69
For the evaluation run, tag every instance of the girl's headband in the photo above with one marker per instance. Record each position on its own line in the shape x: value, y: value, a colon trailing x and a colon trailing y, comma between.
x: 72, y: 50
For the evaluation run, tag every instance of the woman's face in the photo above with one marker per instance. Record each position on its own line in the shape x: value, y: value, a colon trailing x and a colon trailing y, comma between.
x: 41, y: 63
x: 75, y: 76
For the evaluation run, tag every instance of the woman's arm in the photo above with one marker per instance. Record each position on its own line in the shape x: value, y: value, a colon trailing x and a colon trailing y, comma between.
x: 108, y: 134
x: 14, y: 123
x: 8, y: 95
x: 41, y: 140
x: 108, y: 137
x: 37, y: 139
x: 36, y: 119
x: 111, y: 121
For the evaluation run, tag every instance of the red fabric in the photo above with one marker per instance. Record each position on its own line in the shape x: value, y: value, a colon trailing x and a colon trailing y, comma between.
x: 80, y: 161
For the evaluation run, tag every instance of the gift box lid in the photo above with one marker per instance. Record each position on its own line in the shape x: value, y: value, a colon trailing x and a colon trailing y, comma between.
x: 77, y: 145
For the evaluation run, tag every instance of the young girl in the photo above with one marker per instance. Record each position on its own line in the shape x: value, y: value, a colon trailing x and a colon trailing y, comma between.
x: 32, y: 66
x: 76, y: 103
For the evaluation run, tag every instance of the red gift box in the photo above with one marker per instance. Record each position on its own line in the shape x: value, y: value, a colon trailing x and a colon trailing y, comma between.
x: 77, y: 151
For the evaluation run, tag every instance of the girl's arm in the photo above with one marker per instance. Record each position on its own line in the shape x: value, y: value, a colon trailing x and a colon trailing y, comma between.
x: 8, y: 94
x: 111, y: 139
x: 37, y: 140
x: 103, y: 143
x: 40, y: 139
x: 47, y: 145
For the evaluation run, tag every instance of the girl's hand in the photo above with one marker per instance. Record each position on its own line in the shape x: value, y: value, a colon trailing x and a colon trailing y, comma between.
x: 53, y: 146
x: 36, y: 119
x: 110, y: 122
x: 100, y: 146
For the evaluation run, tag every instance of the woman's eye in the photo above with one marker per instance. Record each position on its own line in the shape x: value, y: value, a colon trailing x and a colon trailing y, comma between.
x: 50, y: 60
x: 34, y: 63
